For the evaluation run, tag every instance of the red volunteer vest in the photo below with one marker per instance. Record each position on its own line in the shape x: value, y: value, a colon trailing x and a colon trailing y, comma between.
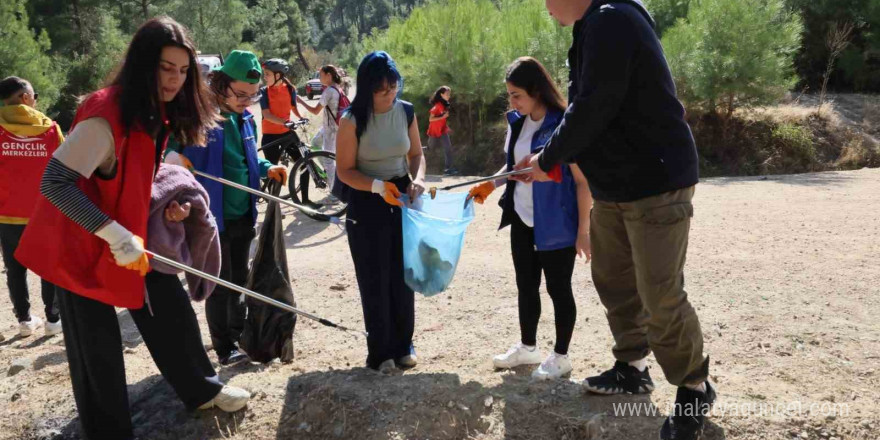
x: 23, y: 160
x: 62, y: 252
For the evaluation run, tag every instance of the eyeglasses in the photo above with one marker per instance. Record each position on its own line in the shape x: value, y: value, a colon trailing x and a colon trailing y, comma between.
x: 245, y: 98
x: 35, y: 95
x: 387, y: 91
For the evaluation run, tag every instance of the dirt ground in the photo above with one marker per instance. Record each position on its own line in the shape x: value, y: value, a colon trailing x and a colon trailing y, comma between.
x: 782, y: 270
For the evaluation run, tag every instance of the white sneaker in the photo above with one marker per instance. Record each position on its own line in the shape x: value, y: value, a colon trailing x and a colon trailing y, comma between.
x: 516, y: 356
x: 27, y: 328
x: 389, y: 367
x: 229, y: 399
x: 554, y: 367
x: 53, y: 328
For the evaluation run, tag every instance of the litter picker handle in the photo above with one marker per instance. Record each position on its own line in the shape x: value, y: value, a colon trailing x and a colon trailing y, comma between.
x: 255, y: 192
x: 248, y: 292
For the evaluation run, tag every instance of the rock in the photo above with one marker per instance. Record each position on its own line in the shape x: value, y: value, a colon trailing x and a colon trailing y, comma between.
x: 338, y: 431
x: 2, y: 338
x: 15, y: 396
x: 305, y: 427
x: 553, y: 392
x: 129, y: 350
x: 488, y: 402
x: 450, y: 405
x: 805, y: 435
x: 19, y: 365
x: 865, y: 424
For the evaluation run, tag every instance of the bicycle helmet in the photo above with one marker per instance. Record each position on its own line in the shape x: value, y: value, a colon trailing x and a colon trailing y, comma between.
x: 277, y: 65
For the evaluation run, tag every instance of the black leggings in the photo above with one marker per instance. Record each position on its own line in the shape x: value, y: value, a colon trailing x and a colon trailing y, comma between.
x: 558, y: 267
x: 273, y: 154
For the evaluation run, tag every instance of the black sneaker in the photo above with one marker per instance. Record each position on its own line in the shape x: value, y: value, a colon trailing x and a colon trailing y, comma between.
x: 689, y: 415
x: 235, y: 357
x: 623, y: 378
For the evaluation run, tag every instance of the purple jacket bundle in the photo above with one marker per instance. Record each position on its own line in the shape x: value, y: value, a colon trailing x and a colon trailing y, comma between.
x: 195, y: 241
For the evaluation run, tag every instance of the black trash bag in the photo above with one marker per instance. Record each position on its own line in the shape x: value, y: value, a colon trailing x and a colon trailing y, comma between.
x: 268, y: 331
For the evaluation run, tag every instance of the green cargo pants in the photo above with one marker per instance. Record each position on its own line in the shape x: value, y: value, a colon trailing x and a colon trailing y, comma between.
x: 639, y: 252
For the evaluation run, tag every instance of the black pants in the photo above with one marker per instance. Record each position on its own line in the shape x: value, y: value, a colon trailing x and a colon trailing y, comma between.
x: 16, y: 278
x: 375, y: 238
x: 273, y: 154
x: 558, y: 267
x: 94, y: 354
x: 225, y: 309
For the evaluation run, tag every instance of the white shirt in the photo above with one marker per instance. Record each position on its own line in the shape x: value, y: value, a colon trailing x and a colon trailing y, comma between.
x: 523, y: 203
x: 330, y: 100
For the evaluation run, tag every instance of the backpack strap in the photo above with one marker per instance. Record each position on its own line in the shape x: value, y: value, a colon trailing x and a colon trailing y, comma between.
x: 327, y: 108
x: 410, y: 111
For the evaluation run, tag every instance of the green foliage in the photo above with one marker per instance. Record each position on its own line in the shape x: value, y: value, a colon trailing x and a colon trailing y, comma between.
x: 24, y: 52
x: 216, y: 25
x: 732, y: 54
x: 268, y: 29
x: 467, y: 44
x: 859, y: 67
x: 90, y: 70
x: 795, y: 143
x: 667, y: 12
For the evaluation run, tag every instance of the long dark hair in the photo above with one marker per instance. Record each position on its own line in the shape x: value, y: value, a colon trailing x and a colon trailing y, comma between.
x: 334, y: 73
x: 530, y: 75
x: 376, y: 70
x: 191, y: 114
x: 219, y: 86
x: 438, y: 96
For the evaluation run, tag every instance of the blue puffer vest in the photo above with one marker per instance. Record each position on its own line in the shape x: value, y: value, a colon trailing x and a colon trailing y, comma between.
x: 555, y: 204
x: 210, y: 160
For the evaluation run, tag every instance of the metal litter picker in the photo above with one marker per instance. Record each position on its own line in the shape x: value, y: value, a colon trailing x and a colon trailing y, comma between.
x: 249, y: 293
x: 334, y: 220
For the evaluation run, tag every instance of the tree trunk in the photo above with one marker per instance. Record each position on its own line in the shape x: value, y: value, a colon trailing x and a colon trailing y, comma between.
x: 144, y: 4
x: 302, y: 58
x: 77, y: 23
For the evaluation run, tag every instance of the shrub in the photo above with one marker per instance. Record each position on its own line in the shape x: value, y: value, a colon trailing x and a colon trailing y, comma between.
x: 731, y: 54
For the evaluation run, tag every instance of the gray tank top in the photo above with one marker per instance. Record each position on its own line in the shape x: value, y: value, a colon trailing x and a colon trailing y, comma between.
x: 384, y: 144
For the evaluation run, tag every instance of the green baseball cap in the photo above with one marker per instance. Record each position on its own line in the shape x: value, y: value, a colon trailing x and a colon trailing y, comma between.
x: 242, y: 65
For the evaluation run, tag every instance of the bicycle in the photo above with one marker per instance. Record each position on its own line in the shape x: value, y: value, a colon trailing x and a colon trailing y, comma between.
x: 308, y: 182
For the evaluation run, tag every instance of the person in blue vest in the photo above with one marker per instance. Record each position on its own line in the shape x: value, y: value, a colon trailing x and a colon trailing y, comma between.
x: 550, y: 222
x: 231, y: 153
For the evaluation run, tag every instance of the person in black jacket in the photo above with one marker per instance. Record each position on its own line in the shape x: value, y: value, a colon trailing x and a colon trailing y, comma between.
x: 626, y: 130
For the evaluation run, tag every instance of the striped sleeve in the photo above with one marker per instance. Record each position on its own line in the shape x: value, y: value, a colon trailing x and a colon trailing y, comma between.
x: 59, y: 186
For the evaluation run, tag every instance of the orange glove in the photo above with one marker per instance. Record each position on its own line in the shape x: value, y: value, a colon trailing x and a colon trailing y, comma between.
x: 392, y: 195
x: 142, y: 264
x: 481, y: 192
x: 388, y: 191
x: 278, y: 173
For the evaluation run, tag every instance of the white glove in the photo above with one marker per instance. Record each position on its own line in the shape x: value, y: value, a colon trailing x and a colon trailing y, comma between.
x: 126, y: 247
x: 175, y: 158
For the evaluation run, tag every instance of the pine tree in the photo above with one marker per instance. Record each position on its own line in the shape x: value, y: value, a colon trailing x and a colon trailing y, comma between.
x: 732, y: 54
x: 24, y: 52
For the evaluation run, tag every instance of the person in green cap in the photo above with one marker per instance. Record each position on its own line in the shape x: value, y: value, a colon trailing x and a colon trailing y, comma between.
x: 231, y: 153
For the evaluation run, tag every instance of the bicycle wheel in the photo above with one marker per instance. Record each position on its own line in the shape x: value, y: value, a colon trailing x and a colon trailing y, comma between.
x: 309, y: 185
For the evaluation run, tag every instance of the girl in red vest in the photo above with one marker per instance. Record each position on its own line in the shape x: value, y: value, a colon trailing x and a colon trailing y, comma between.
x: 87, y: 232
x: 438, y: 129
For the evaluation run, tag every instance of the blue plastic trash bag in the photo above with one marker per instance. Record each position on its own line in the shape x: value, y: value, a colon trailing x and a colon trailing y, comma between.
x: 433, y: 235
